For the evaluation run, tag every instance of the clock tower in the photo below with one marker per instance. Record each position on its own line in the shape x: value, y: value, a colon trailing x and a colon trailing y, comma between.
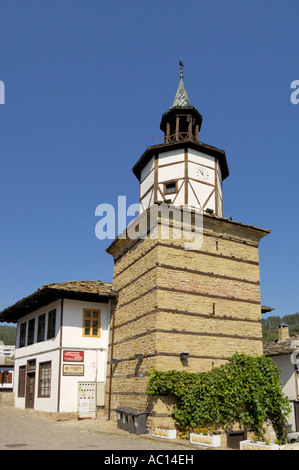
x: 178, y: 307
x: 182, y: 170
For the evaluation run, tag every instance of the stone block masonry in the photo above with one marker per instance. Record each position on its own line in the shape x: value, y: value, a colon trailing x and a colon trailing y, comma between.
x: 204, y: 302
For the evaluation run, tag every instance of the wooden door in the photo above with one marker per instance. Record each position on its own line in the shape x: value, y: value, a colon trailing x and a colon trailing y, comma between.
x: 234, y: 439
x: 30, y: 388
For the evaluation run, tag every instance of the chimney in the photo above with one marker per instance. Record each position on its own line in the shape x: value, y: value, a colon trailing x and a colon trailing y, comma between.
x: 283, y: 332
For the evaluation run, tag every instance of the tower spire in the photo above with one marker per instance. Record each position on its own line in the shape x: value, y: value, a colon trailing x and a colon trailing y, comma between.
x: 181, y: 97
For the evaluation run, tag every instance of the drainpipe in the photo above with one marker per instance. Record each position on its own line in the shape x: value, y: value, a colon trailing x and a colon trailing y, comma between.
x: 111, y: 356
x: 60, y: 359
x: 296, y: 373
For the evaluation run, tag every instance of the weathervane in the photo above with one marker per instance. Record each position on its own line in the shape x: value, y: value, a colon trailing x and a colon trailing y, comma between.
x: 181, y: 71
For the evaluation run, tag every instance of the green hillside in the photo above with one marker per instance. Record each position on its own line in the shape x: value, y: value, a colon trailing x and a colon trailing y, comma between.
x: 8, y: 334
x: 271, y: 324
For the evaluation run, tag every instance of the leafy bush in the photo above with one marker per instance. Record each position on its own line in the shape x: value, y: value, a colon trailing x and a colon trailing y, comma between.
x: 246, y: 389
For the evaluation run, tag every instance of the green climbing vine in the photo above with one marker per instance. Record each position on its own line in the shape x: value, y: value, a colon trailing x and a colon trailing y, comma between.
x: 246, y: 389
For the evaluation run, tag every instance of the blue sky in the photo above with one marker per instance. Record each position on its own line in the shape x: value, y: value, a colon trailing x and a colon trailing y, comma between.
x: 86, y: 83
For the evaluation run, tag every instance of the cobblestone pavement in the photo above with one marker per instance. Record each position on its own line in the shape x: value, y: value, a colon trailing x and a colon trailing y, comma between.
x: 28, y: 430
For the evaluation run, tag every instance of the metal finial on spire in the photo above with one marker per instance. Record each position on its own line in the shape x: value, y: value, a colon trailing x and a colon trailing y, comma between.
x: 181, y: 70
x: 181, y: 97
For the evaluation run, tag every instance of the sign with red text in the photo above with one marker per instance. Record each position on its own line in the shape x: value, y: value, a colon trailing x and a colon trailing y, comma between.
x: 73, y: 356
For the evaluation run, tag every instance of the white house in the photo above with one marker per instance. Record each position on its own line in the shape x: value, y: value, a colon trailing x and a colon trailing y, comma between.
x: 7, y: 350
x: 61, y: 347
x: 6, y: 373
x: 284, y: 353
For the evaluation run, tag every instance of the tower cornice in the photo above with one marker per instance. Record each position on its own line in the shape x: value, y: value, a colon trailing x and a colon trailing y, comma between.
x: 219, y: 154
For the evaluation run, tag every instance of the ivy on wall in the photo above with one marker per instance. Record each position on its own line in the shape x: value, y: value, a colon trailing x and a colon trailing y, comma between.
x: 246, y: 389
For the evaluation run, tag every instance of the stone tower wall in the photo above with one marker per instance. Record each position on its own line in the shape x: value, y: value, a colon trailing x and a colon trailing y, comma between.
x: 204, y: 302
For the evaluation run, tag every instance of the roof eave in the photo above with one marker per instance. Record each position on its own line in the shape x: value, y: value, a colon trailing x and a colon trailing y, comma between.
x: 46, y: 295
x: 205, y: 148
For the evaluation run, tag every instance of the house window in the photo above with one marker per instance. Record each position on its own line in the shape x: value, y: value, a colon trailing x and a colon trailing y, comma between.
x: 170, y: 188
x: 21, y: 386
x: 5, y: 377
x: 51, y: 324
x: 41, y: 327
x: 30, y: 339
x: 22, y: 335
x: 44, y: 382
x: 91, y: 323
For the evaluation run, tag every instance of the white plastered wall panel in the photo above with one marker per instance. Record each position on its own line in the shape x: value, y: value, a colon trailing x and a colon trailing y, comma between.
x: 174, y: 156
x: 203, y: 192
x: 171, y: 172
x: 146, y: 200
x: 288, y: 377
x: 146, y: 183
x: 148, y: 168
x: 180, y: 195
x: 94, y: 350
x: 201, y: 158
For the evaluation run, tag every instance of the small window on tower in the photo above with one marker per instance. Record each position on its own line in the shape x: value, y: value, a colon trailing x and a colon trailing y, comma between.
x: 170, y: 187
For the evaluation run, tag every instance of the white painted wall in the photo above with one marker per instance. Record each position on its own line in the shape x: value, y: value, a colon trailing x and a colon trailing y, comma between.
x: 147, y: 183
x: 171, y: 157
x: 95, y: 349
x: 288, y: 378
x: 148, y: 168
x: 201, y: 158
x: 201, y: 180
x: 171, y: 172
x: 43, y: 351
x: 36, y: 347
x: 7, y: 350
x: 95, y: 354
